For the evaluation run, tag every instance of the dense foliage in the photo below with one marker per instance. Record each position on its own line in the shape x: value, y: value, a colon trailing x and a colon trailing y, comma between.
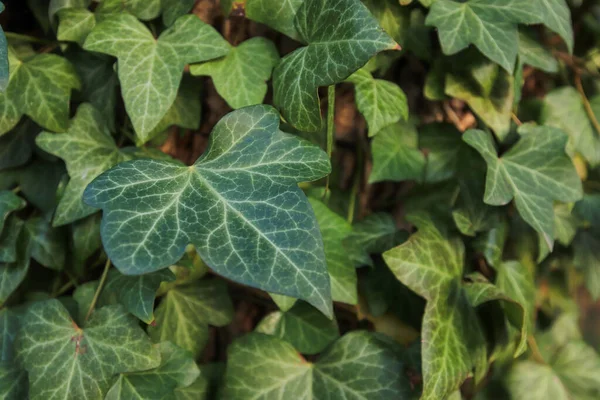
x: 300, y: 199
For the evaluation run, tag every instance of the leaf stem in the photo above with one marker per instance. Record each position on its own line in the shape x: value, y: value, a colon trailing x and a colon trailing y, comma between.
x: 16, y: 190
x: 535, y: 350
x: 330, y: 127
x: 586, y: 103
x: 99, y: 289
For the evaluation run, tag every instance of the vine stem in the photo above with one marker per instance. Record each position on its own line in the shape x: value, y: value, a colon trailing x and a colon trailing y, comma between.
x: 330, y: 127
x: 99, y: 289
x: 535, y: 350
x: 586, y: 103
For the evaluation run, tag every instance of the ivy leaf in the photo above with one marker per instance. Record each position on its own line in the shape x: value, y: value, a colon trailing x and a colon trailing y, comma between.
x: 309, y: 331
x: 358, y: 365
x: 143, y: 9
x: 9, y: 238
x: 587, y: 259
x: 266, y: 210
x: 9, y: 326
x: 88, y: 149
x: 75, y: 24
x: 150, y: 69
x: 85, y: 235
x: 517, y: 282
x: 16, y: 146
x: 535, y: 172
x: 377, y: 233
x: 66, y: 361
x: 442, y: 144
x: 336, y: 48
x: 41, y: 88
x: 177, y: 369
x: 563, y: 108
x: 277, y: 15
x: 136, y: 293
x: 173, y: 9
x: 381, y: 102
x: 396, y: 156
x: 9, y: 202
x: 57, y: 5
x: 533, y: 53
x: 185, y: 312
x: 13, y: 382
x: 48, y: 244
x: 4, y: 71
x: 240, y: 77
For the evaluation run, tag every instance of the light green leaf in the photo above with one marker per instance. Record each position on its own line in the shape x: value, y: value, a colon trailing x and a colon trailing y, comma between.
x: 396, y: 156
x: 283, y: 302
x: 587, y: 259
x: 381, y: 102
x: 488, y: 90
x: 533, y: 53
x: 150, y: 69
x: 173, y: 9
x: 304, y: 327
x: 48, y: 244
x: 57, y: 5
x: 13, y: 382
x: 9, y: 113
x: 563, y: 108
x: 75, y: 24
x: 66, y: 361
x: 357, y: 366
x: 393, y: 18
x: 441, y: 143
x: 177, y: 369
x: 199, y: 390
x: 240, y: 77
x: 196, y: 205
x: 516, y: 281
x: 377, y: 233
x: 336, y: 48
x: 88, y: 149
x: 41, y: 88
x: 12, y: 274
x: 534, y: 172
x: 9, y: 202
x: 136, y: 292
x: 143, y: 9
x: 185, y: 312
x: 278, y: 15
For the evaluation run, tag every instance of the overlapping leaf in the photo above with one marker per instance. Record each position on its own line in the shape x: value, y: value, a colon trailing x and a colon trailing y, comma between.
x: 277, y: 15
x: 48, y: 244
x: 534, y: 172
x: 4, y: 72
x: 358, y: 365
x: 75, y: 24
x: 336, y: 48
x: 377, y: 233
x: 241, y: 195
x: 9, y: 202
x: 142, y: 9
x: 150, y: 69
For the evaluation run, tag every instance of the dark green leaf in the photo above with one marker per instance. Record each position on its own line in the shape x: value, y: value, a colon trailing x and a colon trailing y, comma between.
x: 48, y: 244
x: 277, y: 15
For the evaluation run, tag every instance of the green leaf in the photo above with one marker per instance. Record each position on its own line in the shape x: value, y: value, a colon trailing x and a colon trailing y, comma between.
x: 66, y: 361
x: 48, y: 244
x: 488, y: 90
x: 563, y: 108
x: 517, y: 282
x: 13, y: 382
x: 8, y: 239
x: 266, y: 210
x: 143, y: 9
x: 173, y: 9
x: 9, y: 113
x: 12, y: 274
x: 88, y: 149
x: 357, y: 366
x: 278, y: 15
x: 177, y: 369
x: 587, y: 258
x: 533, y: 53
x: 9, y: 202
x: 4, y: 67
x: 240, y: 77
x: 185, y: 312
x: 283, y: 302
x: 39, y: 181
x: 534, y: 172
x: 491, y: 25
x: 16, y: 146
x: 377, y: 233
x: 491, y: 243
x: 396, y: 156
x: 336, y: 48
x: 85, y: 235
x: 57, y: 5
x: 199, y: 390
x: 150, y: 69
x: 309, y: 331
x: 41, y: 88
x: 441, y: 143
x: 75, y: 24
x: 9, y: 326
x: 136, y: 293
x: 381, y: 102
x: 393, y: 18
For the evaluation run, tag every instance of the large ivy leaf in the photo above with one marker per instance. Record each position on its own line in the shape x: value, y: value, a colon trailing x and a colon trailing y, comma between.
x: 136, y: 293
x: 453, y: 342
x: 88, y: 149
x: 150, y: 69
x: 186, y: 311
x: 66, y: 361
x: 177, y: 369
x: 357, y: 366
x: 278, y: 15
x: 9, y: 202
x: 491, y: 25
x: 381, y: 102
x: 4, y: 72
x: 534, y: 172
x: 40, y: 87
x: 396, y: 156
x: 240, y: 77
x: 336, y: 48
x: 13, y: 382
x: 308, y: 330
x: 239, y: 196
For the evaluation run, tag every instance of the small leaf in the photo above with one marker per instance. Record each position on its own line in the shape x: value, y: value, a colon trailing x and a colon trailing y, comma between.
x: 9, y: 202
x: 16, y: 146
x: 48, y: 244
x: 57, y: 5
x: 88, y: 150
x: 185, y: 312
x: 150, y: 69
x: 381, y: 102
x: 85, y: 235
x: 136, y: 293
x: 336, y: 48
x: 358, y: 366
x: 517, y: 282
x: 197, y: 205
x: 305, y: 328
x: 535, y: 172
x: 441, y: 143
x: 75, y: 24
x: 277, y: 15
x: 396, y: 156
x: 9, y: 112
x: 173, y: 9
x: 177, y: 369
x: 533, y: 53
x: 8, y: 239
x: 377, y: 233
x: 65, y: 361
